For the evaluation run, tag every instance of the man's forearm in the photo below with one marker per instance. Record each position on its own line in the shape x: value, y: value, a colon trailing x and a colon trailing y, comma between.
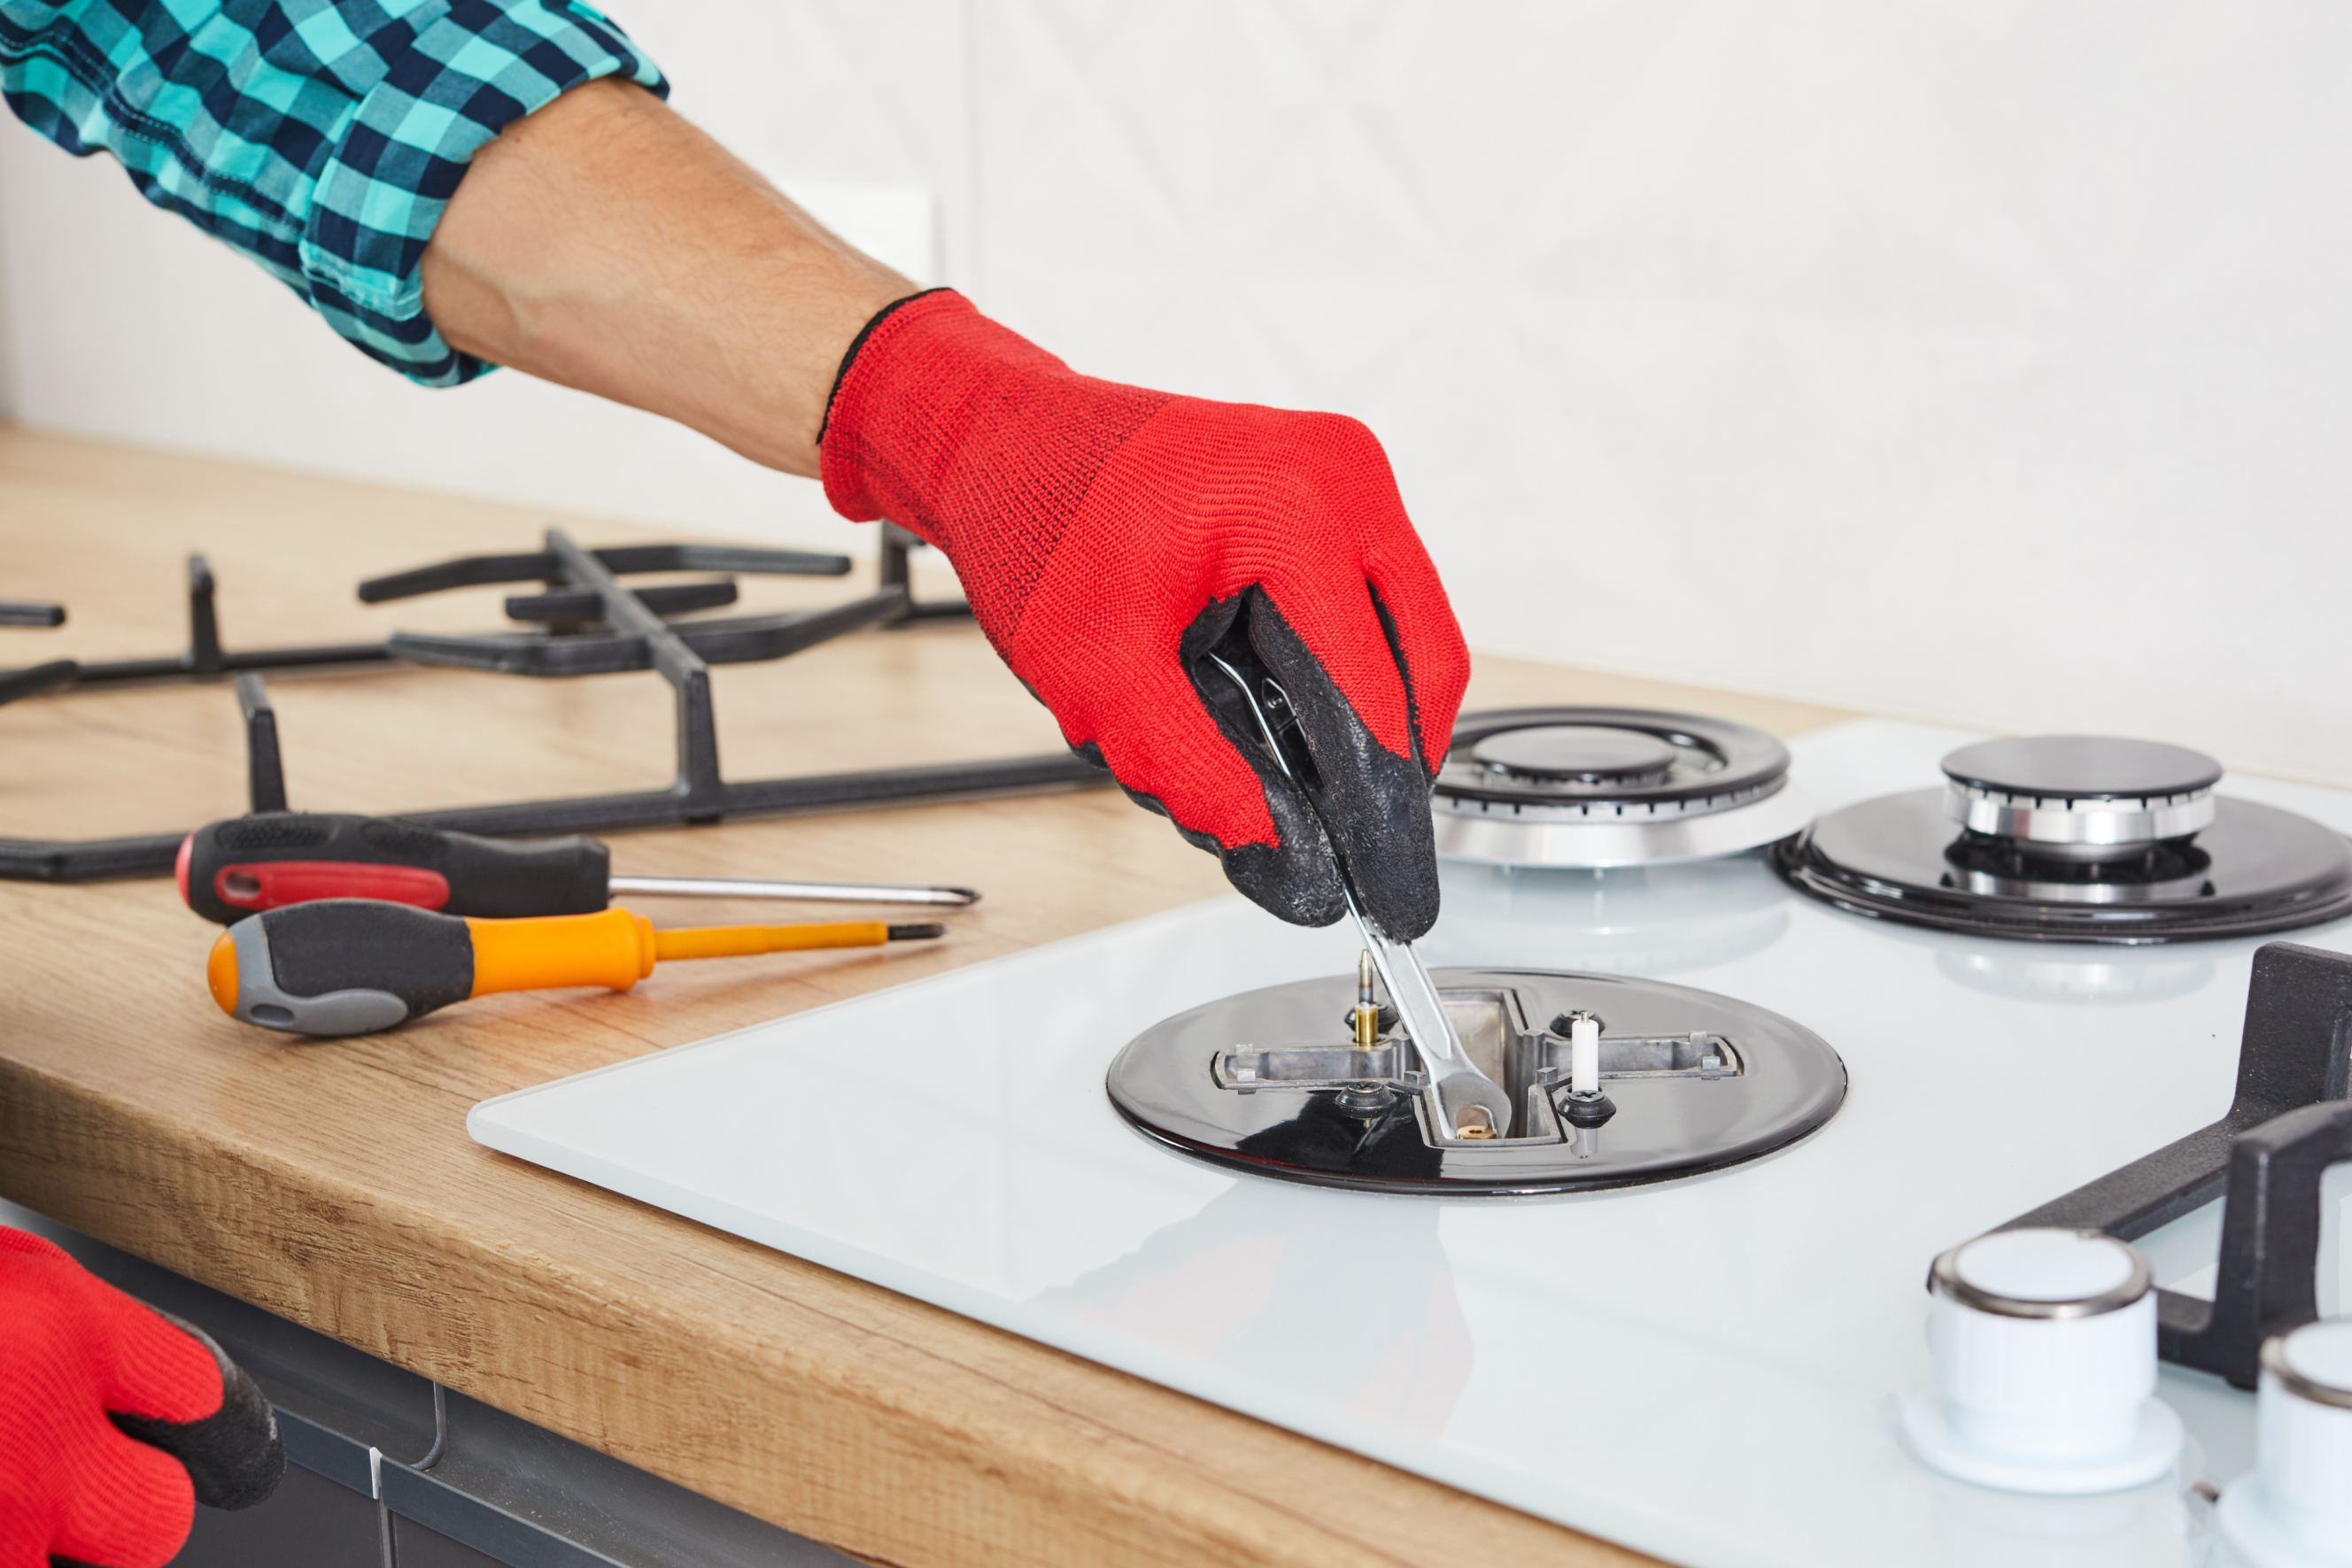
x: 606, y: 244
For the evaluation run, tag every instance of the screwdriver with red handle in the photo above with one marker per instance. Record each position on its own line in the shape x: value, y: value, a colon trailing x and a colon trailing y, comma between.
x: 354, y: 966
x: 273, y: 859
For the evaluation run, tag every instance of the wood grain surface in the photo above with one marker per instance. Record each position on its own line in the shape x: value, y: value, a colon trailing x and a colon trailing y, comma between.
x: 333, y: 1182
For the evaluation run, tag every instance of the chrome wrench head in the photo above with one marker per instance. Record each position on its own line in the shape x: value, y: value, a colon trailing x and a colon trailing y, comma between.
x: 1471, y: 1105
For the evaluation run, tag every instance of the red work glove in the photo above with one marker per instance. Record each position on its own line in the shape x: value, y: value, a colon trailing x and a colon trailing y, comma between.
x: 114, y: 1420
x: 1109, y: 537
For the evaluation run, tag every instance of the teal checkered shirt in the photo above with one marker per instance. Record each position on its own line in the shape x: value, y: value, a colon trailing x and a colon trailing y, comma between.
x: 321, y: 137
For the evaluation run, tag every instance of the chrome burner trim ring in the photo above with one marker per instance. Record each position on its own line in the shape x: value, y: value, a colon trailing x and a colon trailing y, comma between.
x: 1544, y: 837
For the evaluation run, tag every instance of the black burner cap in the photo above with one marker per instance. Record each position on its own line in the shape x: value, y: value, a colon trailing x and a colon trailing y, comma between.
x: 1586, y: 753
x: 2082, y: 767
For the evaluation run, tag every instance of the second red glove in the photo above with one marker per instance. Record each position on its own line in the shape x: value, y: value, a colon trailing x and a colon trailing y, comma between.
x: 115, y: 1421
x: 1108, y: 536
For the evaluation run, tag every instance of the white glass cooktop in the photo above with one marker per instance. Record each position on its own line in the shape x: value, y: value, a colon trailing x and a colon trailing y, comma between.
x: 1699, y: 1369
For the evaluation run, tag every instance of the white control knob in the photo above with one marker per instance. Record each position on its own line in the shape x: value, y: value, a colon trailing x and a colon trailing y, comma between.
x: 2295, y: 1509
x: 2046, y: 1366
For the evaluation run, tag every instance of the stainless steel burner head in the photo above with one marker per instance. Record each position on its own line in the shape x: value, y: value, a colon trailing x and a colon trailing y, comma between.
x: 1272, y: 1081
x: 1598, y: 787
x: 2080, y: 796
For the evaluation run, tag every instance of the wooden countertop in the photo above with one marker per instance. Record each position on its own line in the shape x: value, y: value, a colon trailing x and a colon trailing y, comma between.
x: 334, y: 1184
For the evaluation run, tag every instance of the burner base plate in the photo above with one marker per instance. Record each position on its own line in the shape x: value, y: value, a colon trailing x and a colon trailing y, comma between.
x: 2254, y: 870
x: 1268, y: 1082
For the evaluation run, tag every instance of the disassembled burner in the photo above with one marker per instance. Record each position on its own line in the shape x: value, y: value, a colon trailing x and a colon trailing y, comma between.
x: 2076, y: 838
x: 1616, y: 1081
x: 1598, y: 787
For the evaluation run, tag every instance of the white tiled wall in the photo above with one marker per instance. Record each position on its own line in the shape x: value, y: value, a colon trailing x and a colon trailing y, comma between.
x: 1981, y: 360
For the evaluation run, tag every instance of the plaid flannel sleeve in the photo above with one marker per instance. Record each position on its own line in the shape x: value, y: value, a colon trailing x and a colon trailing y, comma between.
x: 323, y: 138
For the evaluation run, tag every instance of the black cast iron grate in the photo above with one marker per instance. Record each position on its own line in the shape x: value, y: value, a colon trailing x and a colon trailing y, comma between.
x: 585, y: 621
x: 2288, y: 1121
x: 24, y: 682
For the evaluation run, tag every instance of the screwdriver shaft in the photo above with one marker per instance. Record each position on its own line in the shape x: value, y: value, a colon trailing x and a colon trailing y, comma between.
x: 742, y: 941
x: 814, y: 892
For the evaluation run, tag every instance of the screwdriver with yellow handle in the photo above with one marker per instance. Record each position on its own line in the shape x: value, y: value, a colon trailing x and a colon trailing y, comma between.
x: 353, y: 966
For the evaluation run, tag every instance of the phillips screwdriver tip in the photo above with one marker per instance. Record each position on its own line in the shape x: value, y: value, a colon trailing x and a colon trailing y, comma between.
x: 920, y: 932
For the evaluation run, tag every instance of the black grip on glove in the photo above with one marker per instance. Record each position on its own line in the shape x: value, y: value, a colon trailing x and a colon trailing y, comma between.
x: 235, y: 1456
x: 1357, y: 810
